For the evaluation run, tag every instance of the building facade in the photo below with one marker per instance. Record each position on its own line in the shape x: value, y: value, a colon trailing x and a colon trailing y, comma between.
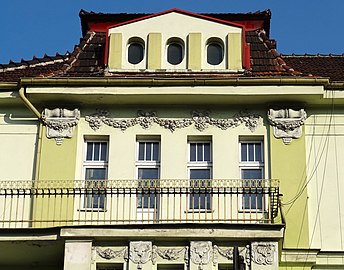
x: 171, y: 141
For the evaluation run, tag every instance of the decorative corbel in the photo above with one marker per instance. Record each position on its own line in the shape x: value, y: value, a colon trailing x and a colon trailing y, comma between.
x: 287, y: 123
x: 60, y: 123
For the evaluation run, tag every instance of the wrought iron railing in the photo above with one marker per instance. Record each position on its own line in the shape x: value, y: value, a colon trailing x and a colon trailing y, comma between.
x: 96, y: 202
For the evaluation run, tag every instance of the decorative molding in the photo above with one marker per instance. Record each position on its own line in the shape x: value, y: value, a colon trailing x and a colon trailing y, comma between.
x: 140, y: 252
x: 287, y: 123
x: 109, y: 254
x: 201, y: 121
x: 169, y: 254
x: 201, y: 253
x: 60, y: 123
x: 226, y: 253
x: 263, y: 253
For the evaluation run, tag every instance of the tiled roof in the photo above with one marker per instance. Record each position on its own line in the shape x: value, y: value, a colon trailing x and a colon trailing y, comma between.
x: 87, y: 60
x: 331, y: 66
x: 46, y: 66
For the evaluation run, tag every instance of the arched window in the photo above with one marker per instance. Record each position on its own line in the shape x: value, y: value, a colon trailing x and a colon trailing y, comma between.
x: 135, y: 53
x: 214, y: 53
x: 175, y: 53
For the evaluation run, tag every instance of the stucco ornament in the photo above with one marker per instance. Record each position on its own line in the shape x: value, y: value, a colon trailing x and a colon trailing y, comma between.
x: 263, y: 253
x: 287, y: 123
x: 60, y: 123
x: 140, y: 252
x: 201, y: 253
x: 109, y: 254
x: 170, y: 254
x: 200, y: 119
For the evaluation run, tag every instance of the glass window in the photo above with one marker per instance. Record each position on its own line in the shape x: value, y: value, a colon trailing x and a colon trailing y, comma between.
x: 148, y: 165
x: 148, y: 151
x: 252, y: 170
x: 200, y: 152
x: 199, y: 167
x: 95, y: 168
x: 135, y: 53
x: 251, y: 152
x: 214, y: 54
x: 175, y: 53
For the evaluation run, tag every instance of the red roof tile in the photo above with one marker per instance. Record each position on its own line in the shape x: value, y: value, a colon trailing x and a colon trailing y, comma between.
x: 331, y: 66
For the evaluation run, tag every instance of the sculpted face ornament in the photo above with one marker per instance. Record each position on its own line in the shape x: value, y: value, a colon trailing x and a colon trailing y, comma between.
x: 140, y: 252
x: 201, y: 253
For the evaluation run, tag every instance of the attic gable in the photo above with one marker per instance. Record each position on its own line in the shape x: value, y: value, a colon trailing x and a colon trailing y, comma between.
x: 198, y: 42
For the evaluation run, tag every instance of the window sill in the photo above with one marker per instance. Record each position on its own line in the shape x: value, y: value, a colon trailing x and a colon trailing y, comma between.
x: 199, y: 211
x: 92, y: 210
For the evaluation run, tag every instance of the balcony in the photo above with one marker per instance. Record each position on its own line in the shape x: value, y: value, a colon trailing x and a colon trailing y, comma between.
x: 26, y: 204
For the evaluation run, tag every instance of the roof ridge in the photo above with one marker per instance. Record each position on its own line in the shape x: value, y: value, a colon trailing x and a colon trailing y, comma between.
x: 76, y: 52
x: 270, y: 45
x: 34, y: 62
x: 312, y: 55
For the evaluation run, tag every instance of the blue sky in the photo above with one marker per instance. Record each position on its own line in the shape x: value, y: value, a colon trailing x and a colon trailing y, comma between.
x: 34, y: 27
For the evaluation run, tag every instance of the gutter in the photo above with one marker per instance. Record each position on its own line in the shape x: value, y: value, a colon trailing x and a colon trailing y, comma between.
x: 156, y: 82
x: 28, y: 104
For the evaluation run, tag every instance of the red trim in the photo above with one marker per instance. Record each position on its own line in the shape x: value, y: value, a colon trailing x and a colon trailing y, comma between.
x: 178, y: 11
x: 106, y: 54
x: 247, y: 57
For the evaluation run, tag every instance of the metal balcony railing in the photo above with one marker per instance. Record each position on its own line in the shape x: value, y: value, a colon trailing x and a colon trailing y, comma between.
x: 52, y: 203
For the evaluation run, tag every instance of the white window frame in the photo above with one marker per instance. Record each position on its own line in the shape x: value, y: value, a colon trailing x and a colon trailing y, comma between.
x: 147, y: 164
x: 253, y: 165
x: 94, y: 164
x: 199, y: 165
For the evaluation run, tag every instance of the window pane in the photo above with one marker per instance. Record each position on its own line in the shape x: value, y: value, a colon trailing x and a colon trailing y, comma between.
x: 156, y: 151
x: 251, y: 152
x: 258, y: 152
x: 192, y: 152
x: 148, y: 173
x: 252, y: 173
x: 200, y: 197
x: 200, y: 174
x: 148, y: 151
x: 89, y: 151
x: 135, y: 53
x: 96, y: 151
x: 199, y: 151
x: 214, y: 54
x: 95, y: 173
x: 147, y: 197
x: 141, y: 151
x: 206, y: 151
x: 95, y: 193
x: 174, y: 53
x: 243, y: 151
x: 103, y: 151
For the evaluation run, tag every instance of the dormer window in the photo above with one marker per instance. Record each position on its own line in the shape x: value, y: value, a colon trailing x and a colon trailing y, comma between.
x: 175, y: 52
x: 214, y: 52
x: 135, y: 51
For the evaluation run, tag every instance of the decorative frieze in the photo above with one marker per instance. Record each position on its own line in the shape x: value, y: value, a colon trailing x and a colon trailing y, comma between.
x: 200, y: 120
x: 263, y: 253
x: 109, y: 253
x: 60, y: 123
x: 201, y: 253
x: 140, y: 252
x: 170, y: 254
x: 287, y: 123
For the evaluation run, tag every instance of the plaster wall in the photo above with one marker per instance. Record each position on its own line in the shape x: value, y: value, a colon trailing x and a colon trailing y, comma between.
x: 18, y: 136
x: 176, y: 25
x: 324, y: 139
x: 174, y: 154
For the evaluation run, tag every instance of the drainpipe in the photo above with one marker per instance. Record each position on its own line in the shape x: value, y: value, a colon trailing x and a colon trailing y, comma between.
x: 29, y: 105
